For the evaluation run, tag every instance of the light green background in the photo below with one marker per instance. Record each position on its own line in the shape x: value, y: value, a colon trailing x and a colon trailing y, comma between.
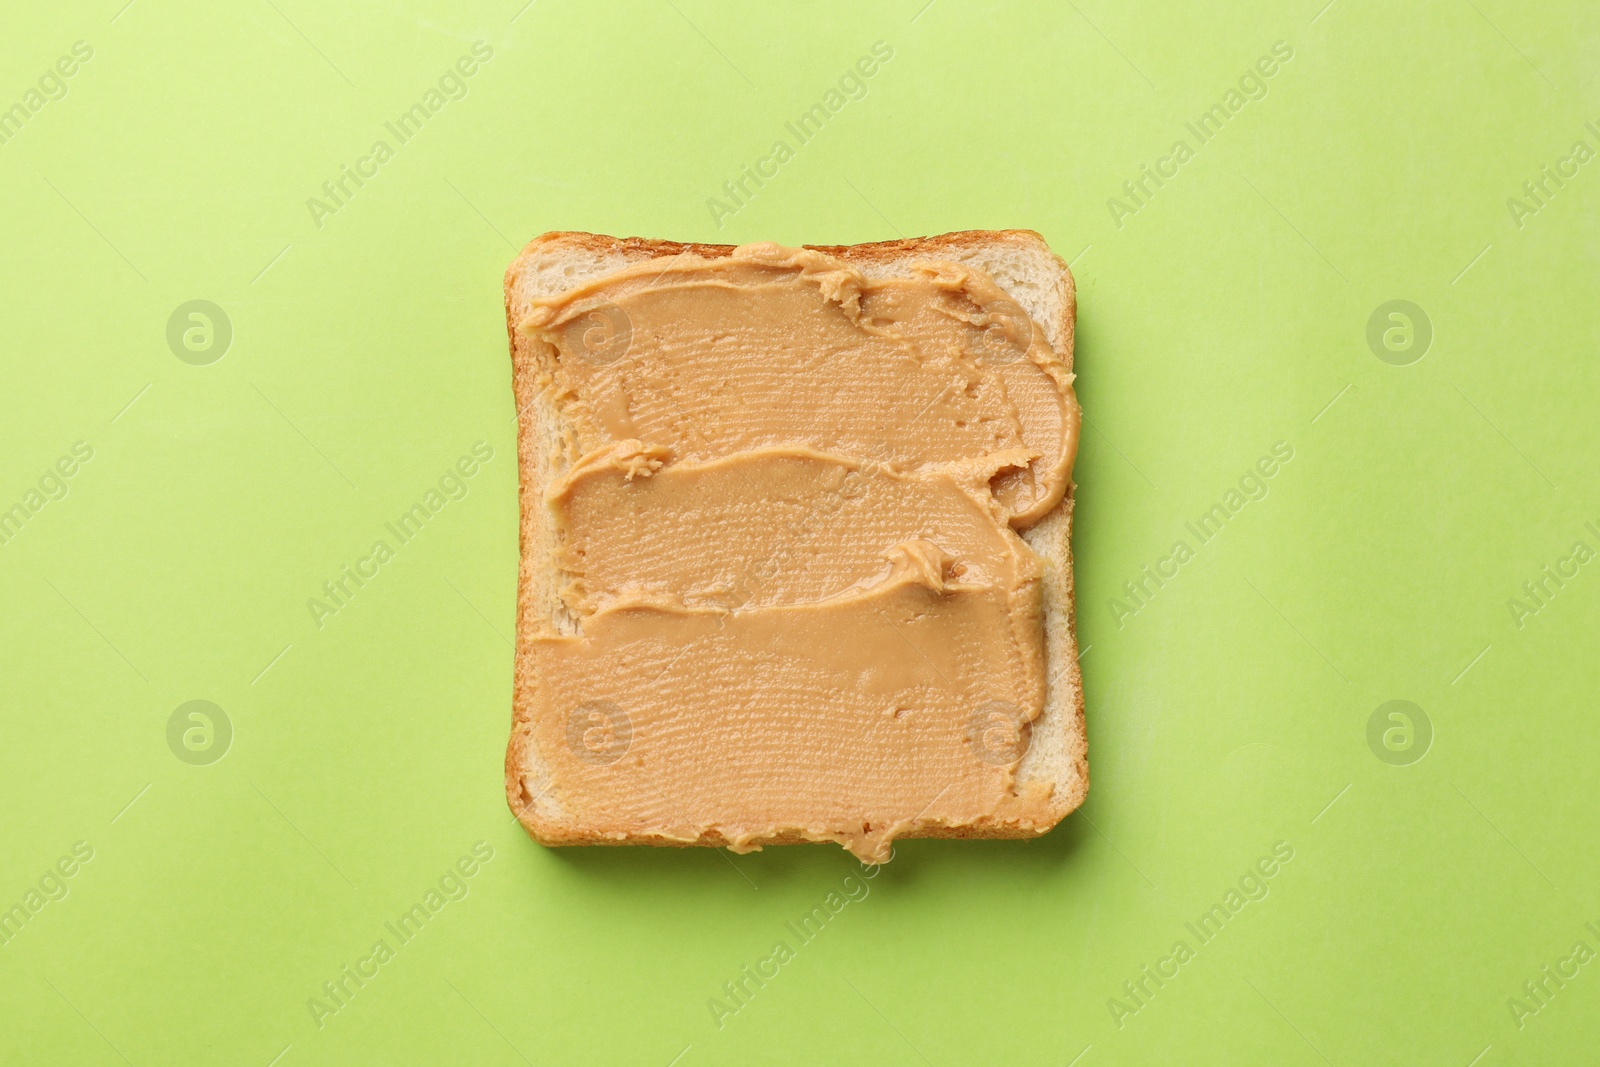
x: 1230, y: 713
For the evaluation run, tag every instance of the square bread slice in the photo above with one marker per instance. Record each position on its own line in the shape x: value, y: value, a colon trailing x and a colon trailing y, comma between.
x: 561, y: 585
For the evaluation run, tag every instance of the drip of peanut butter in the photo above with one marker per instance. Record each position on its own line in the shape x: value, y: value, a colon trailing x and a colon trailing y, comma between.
x: 786, y: 530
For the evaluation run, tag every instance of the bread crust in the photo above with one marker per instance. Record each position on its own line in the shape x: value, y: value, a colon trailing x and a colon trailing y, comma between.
x: 964, y: 245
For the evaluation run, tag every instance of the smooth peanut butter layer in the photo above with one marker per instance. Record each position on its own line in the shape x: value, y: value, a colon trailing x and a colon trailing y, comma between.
x: 772, y: 346
x: 848, y: 718
x: 766, y: 527
x: 795, y: 601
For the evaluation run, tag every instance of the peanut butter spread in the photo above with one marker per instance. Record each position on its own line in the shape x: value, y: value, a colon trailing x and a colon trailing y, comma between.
x: 797, y: 604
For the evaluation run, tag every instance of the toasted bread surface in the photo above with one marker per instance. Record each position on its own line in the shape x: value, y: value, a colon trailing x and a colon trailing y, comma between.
x: 1022, y: 264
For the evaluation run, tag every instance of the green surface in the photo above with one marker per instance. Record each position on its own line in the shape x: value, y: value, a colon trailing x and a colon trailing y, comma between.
x: 1221, y: 313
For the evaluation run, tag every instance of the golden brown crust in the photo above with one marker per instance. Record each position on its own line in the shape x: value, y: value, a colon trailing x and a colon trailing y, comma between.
x: 1081, y: 730
x: 525, y: 392
x: 654, y: 248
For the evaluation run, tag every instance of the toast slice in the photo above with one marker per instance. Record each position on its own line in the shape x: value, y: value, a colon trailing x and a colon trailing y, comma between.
x: 1053, y: 763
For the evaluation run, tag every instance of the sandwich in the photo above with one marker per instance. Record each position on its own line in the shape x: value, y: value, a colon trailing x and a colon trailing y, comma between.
x: 795, y: 542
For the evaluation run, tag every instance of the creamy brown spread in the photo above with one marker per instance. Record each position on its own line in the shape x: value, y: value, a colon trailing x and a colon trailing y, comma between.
x: 788, y: 541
